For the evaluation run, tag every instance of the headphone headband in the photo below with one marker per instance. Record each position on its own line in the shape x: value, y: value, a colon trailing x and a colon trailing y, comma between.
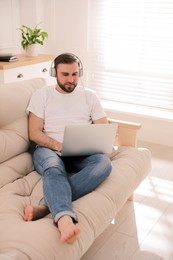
x: 65, y: 58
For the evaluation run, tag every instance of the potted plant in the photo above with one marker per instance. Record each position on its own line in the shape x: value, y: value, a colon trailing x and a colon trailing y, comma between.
x: 31, y: 37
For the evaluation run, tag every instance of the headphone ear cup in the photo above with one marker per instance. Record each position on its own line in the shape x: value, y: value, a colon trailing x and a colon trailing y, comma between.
x: 52, y: 72
x: 81, y: 72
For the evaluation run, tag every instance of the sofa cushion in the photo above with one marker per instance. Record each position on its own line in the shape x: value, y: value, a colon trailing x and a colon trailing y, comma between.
x: 15, y: 168
x: 14, y: 118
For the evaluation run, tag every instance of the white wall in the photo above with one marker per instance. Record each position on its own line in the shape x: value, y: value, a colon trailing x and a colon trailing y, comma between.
x: 66, y: 23
x: 9, y: 22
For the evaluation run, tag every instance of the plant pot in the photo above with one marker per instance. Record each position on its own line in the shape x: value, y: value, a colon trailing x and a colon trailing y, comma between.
x: 31, y: 50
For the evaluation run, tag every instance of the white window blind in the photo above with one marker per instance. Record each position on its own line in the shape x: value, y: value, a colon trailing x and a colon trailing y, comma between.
x: 131, y: 51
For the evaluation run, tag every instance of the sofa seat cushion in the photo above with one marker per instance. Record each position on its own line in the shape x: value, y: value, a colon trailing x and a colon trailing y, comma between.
x: 38, y: 240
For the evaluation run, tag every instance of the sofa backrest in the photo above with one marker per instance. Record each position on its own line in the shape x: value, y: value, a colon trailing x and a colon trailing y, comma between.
x: 14, y: 98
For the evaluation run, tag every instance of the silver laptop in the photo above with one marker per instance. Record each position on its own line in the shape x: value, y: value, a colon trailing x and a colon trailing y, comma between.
x: 88, y: 139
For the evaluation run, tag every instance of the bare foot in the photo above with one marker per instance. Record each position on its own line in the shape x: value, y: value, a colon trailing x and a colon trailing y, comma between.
x: 34, y: 213
x: 69, y: 231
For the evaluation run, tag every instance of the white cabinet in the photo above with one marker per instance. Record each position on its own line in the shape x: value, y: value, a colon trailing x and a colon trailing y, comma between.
x: 26, y: 68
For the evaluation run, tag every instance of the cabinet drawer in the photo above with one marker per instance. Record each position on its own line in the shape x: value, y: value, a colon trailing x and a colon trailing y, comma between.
x: 26, y: 72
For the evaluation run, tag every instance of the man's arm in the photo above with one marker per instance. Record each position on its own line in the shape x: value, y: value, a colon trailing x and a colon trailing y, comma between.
x: 102, y: 120
x: 36, y: 134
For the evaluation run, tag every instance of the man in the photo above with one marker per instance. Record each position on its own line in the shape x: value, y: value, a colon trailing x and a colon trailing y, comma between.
x: 50, y: 110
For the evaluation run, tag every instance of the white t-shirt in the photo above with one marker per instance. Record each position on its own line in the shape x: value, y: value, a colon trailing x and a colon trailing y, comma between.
x: 81, y: 106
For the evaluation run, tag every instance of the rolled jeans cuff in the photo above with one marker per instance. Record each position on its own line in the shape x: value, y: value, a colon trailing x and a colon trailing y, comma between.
x: 66, y: 213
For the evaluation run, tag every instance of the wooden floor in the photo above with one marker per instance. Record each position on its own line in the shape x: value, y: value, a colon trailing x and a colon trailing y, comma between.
x: 143, y: 229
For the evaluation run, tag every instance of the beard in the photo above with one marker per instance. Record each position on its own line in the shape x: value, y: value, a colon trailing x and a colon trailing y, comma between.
x: 67, y: 87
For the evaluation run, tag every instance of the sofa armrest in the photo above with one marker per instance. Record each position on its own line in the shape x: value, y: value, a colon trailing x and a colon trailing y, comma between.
x: 127, y: 132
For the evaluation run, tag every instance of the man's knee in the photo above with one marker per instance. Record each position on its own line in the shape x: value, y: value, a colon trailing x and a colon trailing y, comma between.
x: 46, y: 158
x: 104, y: 163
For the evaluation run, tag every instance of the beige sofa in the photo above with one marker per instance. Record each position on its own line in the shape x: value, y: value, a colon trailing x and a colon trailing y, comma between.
x: 20, y: 186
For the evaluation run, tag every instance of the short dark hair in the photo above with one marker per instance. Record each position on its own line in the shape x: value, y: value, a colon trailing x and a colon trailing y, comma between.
x: 66, y: 58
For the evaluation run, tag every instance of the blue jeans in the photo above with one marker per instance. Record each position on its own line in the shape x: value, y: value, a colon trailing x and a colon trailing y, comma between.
x: 59, y: 187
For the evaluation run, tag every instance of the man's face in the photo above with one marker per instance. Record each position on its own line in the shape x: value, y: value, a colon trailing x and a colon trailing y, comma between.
x: 67, y: 77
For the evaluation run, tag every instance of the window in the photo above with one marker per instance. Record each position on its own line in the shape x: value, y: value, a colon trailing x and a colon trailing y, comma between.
x: 131, y: 52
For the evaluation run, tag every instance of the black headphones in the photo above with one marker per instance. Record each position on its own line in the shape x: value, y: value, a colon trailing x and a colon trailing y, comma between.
x: 65, y: 58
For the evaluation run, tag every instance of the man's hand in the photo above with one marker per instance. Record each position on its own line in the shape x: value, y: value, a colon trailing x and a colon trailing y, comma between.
x: 58, y: 147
